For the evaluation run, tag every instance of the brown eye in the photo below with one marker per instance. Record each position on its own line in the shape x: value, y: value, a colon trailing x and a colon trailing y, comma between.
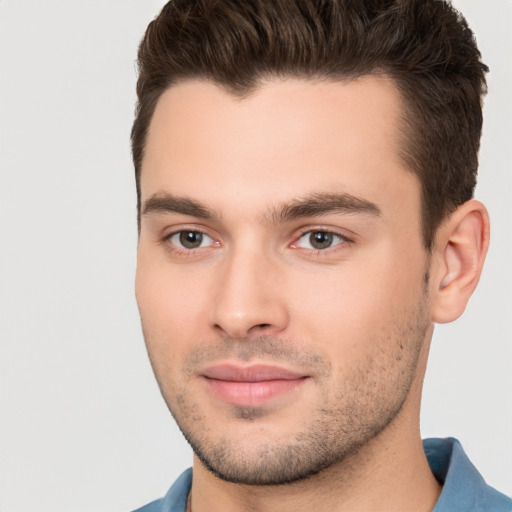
x: 321, y: 239
x: 190, y: 239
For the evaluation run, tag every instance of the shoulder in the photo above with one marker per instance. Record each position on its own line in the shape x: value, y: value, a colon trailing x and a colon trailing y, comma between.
x: 176, y: 498
x: 463, y: 486
x: 154, y: 506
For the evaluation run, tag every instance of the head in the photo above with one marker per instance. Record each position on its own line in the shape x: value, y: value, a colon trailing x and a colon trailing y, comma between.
x: 304, y: 171
x: 426, y: 48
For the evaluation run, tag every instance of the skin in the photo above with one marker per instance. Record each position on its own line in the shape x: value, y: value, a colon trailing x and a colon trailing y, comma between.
x: 353, y: 318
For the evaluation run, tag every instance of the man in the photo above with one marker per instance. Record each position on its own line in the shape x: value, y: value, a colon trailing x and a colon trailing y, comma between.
x: 305, y: 172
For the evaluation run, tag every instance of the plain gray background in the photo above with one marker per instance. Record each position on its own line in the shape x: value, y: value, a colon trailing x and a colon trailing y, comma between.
x: 83, y: 427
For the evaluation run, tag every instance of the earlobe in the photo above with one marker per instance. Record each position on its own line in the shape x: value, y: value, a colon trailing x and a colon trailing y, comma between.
x: 460, y: 249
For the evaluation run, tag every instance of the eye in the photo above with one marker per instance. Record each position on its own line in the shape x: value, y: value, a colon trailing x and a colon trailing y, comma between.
x: 190, y: 239
x: 319, y: 240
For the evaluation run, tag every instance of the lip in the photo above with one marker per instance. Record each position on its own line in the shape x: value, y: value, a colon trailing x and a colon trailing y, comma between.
x: 250, y: 386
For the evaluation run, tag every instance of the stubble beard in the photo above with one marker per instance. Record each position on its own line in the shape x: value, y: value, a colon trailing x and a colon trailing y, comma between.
x: 370, y: 398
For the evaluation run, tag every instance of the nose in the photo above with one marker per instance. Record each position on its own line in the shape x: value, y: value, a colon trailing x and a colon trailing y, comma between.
x: 249, y: 299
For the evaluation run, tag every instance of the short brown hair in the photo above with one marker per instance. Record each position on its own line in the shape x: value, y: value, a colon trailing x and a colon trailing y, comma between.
x: 424, y: 46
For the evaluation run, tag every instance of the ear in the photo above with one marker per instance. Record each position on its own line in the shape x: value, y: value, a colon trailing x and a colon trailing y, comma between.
x: 460, y: 248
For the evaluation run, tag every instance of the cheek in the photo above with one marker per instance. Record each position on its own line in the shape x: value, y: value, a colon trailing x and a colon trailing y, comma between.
x: 169, y: 320
x: 351, y: 307
x: 169, y: 305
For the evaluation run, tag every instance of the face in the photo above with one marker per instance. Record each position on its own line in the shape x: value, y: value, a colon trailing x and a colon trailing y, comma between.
x: 281, y: 272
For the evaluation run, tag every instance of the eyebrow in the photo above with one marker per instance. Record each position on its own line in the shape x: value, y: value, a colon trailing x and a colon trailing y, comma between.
x: 167, y: 203
x: 320, y: 204
x: 313, y: 205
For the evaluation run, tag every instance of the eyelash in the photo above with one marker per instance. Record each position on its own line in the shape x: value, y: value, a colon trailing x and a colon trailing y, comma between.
x: 344, y: 240
x: 182, y: 251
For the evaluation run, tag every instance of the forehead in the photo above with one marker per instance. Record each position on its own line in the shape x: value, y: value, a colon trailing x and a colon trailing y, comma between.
x: 286, y: 139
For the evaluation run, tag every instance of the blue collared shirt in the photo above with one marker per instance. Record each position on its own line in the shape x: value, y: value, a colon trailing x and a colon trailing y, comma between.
x: 464, y: 489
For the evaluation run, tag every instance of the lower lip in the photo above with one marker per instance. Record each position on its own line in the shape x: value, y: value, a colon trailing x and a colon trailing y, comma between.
x: 251, y: 394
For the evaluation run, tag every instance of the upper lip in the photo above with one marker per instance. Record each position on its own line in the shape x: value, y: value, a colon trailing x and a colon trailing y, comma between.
x: 253, y: 373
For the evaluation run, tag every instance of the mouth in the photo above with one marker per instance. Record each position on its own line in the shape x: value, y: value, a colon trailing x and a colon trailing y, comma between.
x: 250, y: 386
